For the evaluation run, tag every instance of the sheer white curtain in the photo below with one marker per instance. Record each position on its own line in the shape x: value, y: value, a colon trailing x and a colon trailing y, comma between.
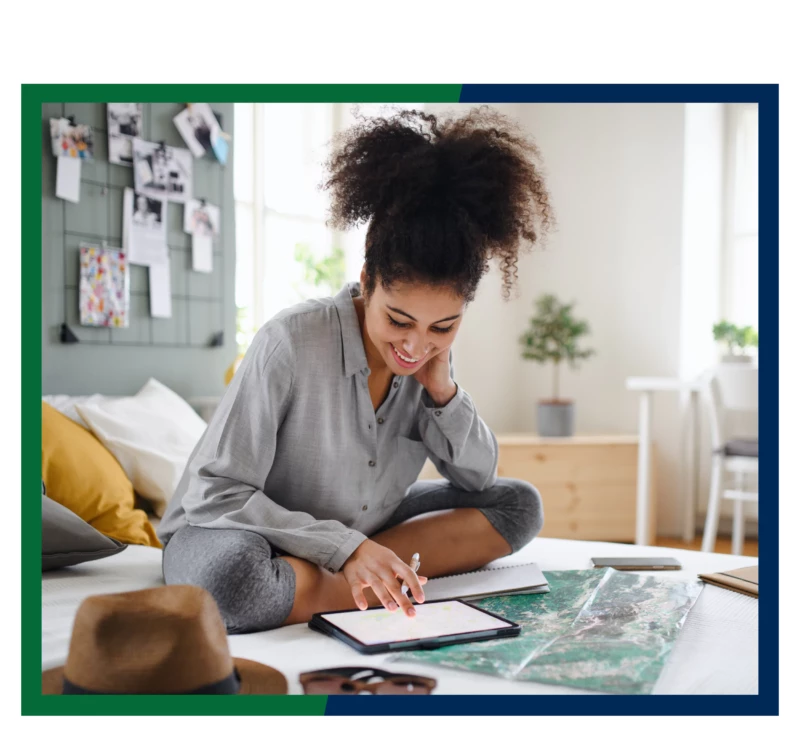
x: 279, y: 152
x: 740, y: 250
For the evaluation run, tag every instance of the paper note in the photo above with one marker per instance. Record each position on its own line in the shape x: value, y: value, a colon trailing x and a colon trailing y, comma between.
x: 104, y: 287
x: 160, y: 290
x: 68, y: 179
x: 220, y: 146
x: 202, y: 253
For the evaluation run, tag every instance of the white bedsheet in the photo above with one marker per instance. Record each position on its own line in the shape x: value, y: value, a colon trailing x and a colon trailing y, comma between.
x: 716, y: 652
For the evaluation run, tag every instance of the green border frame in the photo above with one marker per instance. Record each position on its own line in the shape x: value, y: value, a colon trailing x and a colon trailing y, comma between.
x: 33, y: 96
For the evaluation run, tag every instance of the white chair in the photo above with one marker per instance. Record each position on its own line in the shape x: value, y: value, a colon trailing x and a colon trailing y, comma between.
x: 729, y: 389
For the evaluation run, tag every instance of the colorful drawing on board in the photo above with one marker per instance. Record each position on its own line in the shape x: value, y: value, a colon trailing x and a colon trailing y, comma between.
x: 104, y: 287
x: 68, y: 139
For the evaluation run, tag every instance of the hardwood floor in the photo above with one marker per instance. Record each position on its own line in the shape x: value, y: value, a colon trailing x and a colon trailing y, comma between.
x: 723, y: 544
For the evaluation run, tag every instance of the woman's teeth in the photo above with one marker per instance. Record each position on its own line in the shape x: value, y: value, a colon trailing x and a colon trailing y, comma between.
x: 407, y: 360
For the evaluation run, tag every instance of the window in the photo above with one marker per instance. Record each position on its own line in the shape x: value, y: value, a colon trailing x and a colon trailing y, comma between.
x: 740, y: 248
x: 284, y: 251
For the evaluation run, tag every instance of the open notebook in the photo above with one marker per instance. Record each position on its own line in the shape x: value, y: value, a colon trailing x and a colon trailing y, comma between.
x: 492, y: 580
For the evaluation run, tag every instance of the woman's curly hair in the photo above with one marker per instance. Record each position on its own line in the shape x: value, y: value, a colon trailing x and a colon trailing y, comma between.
x: 443, y: 196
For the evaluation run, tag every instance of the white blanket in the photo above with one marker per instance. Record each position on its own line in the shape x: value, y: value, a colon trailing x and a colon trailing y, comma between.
x: 716, y: 652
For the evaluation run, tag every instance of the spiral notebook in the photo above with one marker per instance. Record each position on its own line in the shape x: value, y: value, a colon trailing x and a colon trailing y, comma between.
x: 492, y: 580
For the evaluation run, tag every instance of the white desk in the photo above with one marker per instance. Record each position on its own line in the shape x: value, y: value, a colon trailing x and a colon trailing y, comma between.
x: 647, y: 385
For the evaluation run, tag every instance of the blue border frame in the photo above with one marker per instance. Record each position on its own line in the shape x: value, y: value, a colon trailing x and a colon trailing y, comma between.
x: 766, y: 702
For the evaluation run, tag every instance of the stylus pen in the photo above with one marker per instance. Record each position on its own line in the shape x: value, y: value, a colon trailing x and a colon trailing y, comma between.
x: 414, y: 566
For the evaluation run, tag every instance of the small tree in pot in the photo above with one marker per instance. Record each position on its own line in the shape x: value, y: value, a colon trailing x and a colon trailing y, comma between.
x: 735, y: 337
x: 552, y: 337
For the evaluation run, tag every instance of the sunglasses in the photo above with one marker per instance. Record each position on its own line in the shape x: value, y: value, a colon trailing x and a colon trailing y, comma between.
x: 354, y: 681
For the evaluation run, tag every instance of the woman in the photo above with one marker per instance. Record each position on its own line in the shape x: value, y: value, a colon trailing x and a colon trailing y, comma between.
x: 301, y: 495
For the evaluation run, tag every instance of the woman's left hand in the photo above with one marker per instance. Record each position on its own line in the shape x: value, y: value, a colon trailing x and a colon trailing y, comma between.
x: 434, y: 375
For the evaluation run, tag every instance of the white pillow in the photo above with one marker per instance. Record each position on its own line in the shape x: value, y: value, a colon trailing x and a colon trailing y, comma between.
x: 65, y: 403
x: 151, y: 434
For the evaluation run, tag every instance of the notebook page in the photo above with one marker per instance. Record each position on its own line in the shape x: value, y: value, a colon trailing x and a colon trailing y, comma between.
x: 484, y: 581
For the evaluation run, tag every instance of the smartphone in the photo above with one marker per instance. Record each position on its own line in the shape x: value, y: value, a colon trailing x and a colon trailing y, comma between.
x: 638, y: 564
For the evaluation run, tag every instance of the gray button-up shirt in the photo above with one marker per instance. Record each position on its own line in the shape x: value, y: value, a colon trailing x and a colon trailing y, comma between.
x: 296, y: 453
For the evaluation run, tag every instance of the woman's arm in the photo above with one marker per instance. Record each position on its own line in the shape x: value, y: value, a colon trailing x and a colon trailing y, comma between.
x: 227, y: 471
x: 460, y: 444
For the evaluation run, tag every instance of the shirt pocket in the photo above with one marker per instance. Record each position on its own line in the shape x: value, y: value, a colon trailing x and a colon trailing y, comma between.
x: 409, y: 457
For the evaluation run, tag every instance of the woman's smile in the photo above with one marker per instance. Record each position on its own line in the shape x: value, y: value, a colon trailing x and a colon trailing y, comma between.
x: 399, y: 357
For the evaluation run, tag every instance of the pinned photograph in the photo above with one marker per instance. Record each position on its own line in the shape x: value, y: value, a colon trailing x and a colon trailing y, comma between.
x: 160, y: 171
x: 104, y: 287
x: 68, y: 139
x: 200, y: 129
x: 144, y: 229
x: 124, y: 124
x: 200, y: 218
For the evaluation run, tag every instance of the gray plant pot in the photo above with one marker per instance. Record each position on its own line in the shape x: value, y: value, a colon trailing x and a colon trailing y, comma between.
x: 736, y: 358
x: 556, y: 419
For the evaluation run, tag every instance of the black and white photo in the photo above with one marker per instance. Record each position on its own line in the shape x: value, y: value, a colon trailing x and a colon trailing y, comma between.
x: 124, y: 124
x: 144, y: 232
x: 163, y: 172
x: 198, y: 126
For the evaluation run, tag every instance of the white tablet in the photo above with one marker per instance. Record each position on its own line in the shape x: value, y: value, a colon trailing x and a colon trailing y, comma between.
x: 436, y: 624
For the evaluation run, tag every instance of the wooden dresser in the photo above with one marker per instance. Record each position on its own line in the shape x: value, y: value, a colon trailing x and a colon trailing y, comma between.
x: 587, y: 483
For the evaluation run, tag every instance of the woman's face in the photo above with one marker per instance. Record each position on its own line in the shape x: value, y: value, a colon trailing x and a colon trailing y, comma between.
x: 416, y: 321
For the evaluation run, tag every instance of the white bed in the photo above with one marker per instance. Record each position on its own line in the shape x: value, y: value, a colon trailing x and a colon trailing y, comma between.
x: 716, y: 652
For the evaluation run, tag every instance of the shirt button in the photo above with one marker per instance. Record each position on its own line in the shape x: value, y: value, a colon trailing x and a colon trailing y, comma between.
x: 369, y: 427
x: 395, y: 385
x: 372, y: 463
x: 438, y: 412
x: 364, y: 508
x: 331, y: 570
x: 380, y: 420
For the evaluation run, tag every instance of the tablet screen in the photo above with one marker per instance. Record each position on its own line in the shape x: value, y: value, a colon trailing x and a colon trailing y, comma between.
x: 437, y: 619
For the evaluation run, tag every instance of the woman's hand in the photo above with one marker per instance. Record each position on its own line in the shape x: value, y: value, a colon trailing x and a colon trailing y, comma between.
x: 374, y: 566
x: 434, y: 375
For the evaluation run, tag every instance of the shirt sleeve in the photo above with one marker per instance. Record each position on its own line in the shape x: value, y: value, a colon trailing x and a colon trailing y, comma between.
x: 227, y: 472
x: 460, y: 444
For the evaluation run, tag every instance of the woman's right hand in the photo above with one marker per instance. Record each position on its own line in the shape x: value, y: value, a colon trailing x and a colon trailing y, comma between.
x: 374, y: 566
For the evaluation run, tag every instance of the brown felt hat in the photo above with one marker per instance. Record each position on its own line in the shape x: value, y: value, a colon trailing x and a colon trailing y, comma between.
x: 166, y: 640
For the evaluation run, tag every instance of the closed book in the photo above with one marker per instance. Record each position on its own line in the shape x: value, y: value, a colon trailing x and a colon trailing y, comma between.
x: 741, y: 580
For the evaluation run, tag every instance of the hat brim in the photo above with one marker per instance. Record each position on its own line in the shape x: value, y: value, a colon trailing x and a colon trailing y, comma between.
x: 257, y: 679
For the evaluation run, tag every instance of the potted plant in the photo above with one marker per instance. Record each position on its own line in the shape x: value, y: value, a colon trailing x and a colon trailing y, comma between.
x: 737, y: 339
x: 552, y: 337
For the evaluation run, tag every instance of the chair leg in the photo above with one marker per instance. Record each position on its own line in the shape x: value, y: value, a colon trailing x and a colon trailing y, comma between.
x: 737, y: 535
x: 712, y: 515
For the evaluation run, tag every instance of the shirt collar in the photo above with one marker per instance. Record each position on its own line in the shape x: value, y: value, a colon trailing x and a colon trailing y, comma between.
x: 355, y: 358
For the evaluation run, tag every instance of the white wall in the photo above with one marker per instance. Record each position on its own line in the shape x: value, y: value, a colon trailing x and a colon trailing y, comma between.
x: 615, y: 174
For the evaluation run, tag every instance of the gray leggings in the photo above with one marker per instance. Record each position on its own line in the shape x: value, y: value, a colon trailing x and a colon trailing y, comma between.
x: 254, y: 587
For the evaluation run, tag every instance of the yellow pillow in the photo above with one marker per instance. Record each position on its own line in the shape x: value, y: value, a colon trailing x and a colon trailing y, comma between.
x: 80, y: 473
